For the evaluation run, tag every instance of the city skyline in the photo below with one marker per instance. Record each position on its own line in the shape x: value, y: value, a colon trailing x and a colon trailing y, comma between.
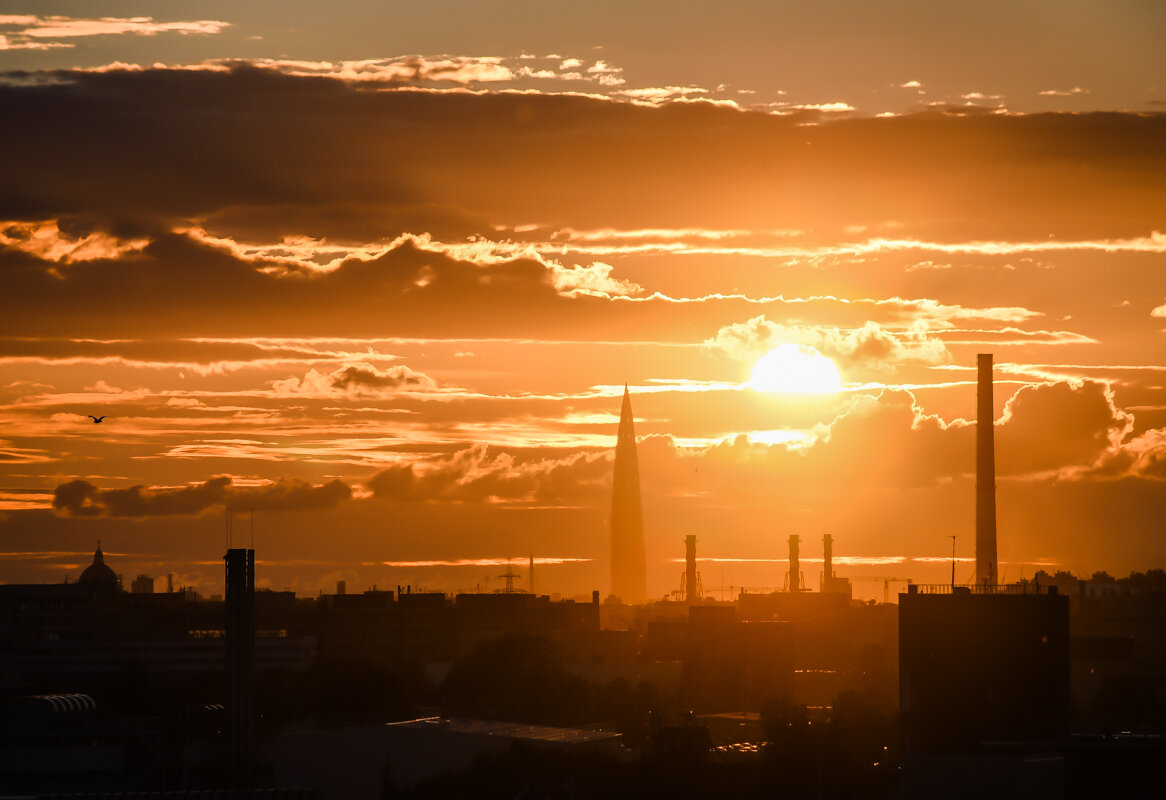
x: 386, y: 294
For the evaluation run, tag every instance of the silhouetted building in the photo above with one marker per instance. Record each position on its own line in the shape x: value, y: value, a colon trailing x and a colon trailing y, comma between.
x: 414, y: 750
x: 628, y: 569
x: 240, y: 636
x: 979, y: 667
x: 986, y: 566
x: 143, y: 584
x: 99, y: 577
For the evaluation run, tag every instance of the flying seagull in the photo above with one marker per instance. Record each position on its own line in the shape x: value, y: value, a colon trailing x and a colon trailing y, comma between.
x: 96, y: 420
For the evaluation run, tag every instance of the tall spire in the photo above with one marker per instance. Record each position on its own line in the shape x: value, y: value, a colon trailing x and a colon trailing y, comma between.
x: 628, y: 581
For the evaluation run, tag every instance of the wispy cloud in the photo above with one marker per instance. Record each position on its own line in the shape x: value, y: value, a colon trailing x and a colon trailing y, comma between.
x: 539, y: 561
x: 29, y: 31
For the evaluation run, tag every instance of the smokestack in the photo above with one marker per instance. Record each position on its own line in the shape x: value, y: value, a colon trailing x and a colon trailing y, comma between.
x: 240, y: 634
x: 690, y: 571
x: 986, y: 573
x: 827, y: 556
x: 795, y: 571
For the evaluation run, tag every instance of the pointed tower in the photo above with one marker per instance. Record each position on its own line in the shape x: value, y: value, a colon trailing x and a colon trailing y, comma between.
x: 628, y: 581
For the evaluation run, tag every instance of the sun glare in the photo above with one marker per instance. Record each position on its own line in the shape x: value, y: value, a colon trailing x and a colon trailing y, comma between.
x: 795, y: 369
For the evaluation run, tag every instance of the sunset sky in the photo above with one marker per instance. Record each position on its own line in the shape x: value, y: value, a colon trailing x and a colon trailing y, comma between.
x: 378, y: 273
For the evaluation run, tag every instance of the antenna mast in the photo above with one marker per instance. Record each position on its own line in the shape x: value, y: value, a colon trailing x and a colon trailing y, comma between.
x: 953, y: 563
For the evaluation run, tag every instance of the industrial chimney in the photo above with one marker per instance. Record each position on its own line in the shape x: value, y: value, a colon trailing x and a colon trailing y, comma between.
x: 827, y: 557
x: 986, y: 573
x: 690, y: 591
x: 795, y: 571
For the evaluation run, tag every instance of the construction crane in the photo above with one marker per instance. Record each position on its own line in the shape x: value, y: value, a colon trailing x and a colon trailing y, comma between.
x: 887, y: 581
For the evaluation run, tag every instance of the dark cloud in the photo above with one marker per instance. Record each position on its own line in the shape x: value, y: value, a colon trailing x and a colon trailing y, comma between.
x: 363, y: 377
x: 80, y: 498
x: 142, y: 148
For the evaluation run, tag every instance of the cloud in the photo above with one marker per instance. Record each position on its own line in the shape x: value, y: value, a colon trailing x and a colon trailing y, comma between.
x: 437, y: 72
x: 659, y: 95
x: 595, y: 280
x: 870, y: 347
x: 837, y: 107
x: 21, y: 43
x: 1063, y: 427
x: 359, y: 379
x: 1076, y: 90
x: 1143, y: 456
x: 1159, y: 311
x: 76, y: 242
x: 561, y: 155
x: 482, y: 474
x: 462, y: 70
x: 31, y: 29
x: 414, y: 279
x: 80, y: 498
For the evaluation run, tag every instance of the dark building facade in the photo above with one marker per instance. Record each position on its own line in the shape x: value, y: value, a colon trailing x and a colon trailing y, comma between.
x: 982, y: 667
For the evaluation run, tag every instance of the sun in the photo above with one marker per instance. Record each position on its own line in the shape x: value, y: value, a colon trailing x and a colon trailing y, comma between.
x: 795, y: 369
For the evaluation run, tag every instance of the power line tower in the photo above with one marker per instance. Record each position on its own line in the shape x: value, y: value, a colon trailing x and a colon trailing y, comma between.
x: 509, y: 576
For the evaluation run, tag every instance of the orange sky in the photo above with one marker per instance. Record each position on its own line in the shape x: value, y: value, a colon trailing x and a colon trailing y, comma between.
x: 390, y: 304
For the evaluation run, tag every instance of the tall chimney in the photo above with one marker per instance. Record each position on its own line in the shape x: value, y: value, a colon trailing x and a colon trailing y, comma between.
x: 690, y: 572
x: 795, y: 571
x: 240, y: 636
x: 986, y: 573
x: 827, y: 556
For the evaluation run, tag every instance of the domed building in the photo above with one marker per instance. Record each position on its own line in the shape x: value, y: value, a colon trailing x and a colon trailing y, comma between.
x: 99, y: 576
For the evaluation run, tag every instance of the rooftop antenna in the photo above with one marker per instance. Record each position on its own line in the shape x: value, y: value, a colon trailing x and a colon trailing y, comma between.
x: 953, y: 563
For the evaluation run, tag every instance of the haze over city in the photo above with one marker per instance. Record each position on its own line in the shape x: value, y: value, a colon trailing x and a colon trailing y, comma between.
x: 376, y: 277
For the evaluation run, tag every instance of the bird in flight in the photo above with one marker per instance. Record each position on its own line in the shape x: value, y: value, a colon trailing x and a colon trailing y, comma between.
x: 97, y: 419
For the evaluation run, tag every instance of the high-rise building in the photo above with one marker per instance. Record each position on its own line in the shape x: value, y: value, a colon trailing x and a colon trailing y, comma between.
x: 628, y: 571
x: 240, y: 648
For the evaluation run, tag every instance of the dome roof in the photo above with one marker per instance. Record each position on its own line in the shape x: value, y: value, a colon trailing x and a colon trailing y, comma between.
x: 99, y: 572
